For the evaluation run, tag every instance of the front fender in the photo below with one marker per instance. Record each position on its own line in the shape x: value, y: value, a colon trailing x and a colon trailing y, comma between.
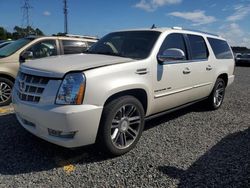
x: 105, y: 82
x: 9, y: 69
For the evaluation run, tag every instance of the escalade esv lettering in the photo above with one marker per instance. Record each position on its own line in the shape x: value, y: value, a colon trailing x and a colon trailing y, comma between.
x: 105, y: 95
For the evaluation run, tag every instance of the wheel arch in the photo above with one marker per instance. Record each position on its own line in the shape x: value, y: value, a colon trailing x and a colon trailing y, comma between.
x: 7, y: 76
x: 224, y: 76
x: 139, y: 93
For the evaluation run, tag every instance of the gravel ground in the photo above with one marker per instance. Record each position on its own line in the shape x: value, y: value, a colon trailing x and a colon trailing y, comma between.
x: 188, y: 148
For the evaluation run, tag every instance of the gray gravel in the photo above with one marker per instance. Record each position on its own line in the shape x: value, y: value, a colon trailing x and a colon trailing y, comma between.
x: 189, y: 148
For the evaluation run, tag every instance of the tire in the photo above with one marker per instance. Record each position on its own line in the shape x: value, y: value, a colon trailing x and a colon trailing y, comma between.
x: 121, y: 125
x: 6, y: 86
x: 216, y: 97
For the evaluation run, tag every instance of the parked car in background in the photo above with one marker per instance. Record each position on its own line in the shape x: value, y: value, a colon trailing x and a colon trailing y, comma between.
x: 128, y: 76
x: 1, y: 41
x: 30, y: 48
x: 6, y: 43
x: 243, y: 59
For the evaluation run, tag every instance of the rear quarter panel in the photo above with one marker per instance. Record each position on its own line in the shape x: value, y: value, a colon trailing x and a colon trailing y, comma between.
x: 221, y: 66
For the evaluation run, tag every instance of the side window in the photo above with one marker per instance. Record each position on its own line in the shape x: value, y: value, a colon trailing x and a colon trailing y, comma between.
x: 74, y: 46
x: 198, y: 47
x: 220, y: 48
x: 44, y: 48
x: 174, y: 40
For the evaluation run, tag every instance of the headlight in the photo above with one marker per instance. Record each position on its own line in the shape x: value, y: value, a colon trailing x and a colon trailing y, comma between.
x: 72, y: 89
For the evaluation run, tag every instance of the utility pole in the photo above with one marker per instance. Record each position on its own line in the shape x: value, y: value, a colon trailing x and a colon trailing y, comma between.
x: 65, y: 10
x: 26, y: 15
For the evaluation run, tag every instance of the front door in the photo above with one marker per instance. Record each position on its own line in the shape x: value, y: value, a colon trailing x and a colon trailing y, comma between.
x: 173, y: 80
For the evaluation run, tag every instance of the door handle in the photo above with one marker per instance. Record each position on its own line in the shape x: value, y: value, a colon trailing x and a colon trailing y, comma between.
x: 186, y: 70
x: 142, y: 71
x: 208, y: 68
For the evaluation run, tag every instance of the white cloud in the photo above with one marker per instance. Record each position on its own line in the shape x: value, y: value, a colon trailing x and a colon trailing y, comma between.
x: 198, y: 17
x: 241, y: 11
x: 152, y: 5
x: 144, y: 6
x: 235, y: 35
x: 46, y: 13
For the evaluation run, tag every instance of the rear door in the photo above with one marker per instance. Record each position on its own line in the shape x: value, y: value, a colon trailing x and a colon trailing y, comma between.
x: 201, y: 66
x: 73, y: 46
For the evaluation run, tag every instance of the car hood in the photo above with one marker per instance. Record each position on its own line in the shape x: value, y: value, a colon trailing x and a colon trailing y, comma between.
x: 57, y: 66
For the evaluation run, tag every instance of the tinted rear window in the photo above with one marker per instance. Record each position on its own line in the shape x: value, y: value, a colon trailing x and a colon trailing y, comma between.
x: 220, y: 48
x: 74, y: 46
x: 198, y: 47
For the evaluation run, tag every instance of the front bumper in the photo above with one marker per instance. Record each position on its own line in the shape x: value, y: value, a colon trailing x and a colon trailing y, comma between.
x: 82, y: 119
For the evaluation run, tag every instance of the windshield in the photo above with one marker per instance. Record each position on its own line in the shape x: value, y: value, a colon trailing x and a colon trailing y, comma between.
x: 131, y: 44
x: 13, y: 47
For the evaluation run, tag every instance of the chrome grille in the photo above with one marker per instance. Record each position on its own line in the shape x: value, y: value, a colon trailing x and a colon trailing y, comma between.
x: 29, y: 87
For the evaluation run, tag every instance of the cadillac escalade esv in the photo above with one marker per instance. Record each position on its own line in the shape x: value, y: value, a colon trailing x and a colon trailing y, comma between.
x: 105, y: 95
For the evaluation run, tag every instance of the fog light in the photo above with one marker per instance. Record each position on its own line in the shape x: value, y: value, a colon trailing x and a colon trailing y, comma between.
x: 26, y: 122
x: 61, y: 134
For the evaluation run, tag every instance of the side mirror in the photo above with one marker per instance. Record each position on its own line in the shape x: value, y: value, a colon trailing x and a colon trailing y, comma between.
x: 26, y: 55
x: 171, y: 54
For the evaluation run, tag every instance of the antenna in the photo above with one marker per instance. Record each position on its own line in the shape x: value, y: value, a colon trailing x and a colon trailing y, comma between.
x: 153, y: 26
x: 65, y: 11
x: 26, y: 14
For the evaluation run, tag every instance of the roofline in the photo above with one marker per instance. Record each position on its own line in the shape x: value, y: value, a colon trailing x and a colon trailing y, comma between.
x: 163, y: 29
x: 62, y: 36
x: 197, y: 31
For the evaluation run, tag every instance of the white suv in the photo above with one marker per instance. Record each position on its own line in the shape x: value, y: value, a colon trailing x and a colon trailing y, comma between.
x: 105, y: 95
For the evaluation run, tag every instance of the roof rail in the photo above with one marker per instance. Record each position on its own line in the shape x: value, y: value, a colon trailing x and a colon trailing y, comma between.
x: 180, y: 28
x: 177, y: 28
x: 82, y: 36
x: 202, y: 32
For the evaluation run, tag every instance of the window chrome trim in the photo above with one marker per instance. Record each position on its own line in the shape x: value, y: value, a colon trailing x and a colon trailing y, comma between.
x: 184, y: 61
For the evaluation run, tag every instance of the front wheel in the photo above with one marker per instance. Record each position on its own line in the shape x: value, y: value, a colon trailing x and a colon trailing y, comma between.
x: 122, y: 125
x: 5, y: 91
x: 217, y: 96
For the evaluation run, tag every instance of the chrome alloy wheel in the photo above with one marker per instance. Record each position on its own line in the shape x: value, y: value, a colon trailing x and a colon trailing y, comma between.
x: 219, y: 94
x: 125, y: 126
x: 5, y: 92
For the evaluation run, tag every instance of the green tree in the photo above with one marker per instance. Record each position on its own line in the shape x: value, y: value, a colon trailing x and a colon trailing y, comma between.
x: 19, y: 32
x: 39, y: 32
x: 59, y: 34
x: 23, y: 32
x: 3, y: 32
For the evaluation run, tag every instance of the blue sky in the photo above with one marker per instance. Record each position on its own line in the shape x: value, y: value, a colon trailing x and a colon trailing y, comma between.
x: 229, y: 18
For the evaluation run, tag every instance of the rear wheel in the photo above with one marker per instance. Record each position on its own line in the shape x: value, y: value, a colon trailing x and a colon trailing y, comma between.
x: 122, y: 125
x: 217, y: 96
x: 5, y: 91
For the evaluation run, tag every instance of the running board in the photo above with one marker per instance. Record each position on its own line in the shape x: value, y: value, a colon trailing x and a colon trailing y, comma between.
x: 173, y: 109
